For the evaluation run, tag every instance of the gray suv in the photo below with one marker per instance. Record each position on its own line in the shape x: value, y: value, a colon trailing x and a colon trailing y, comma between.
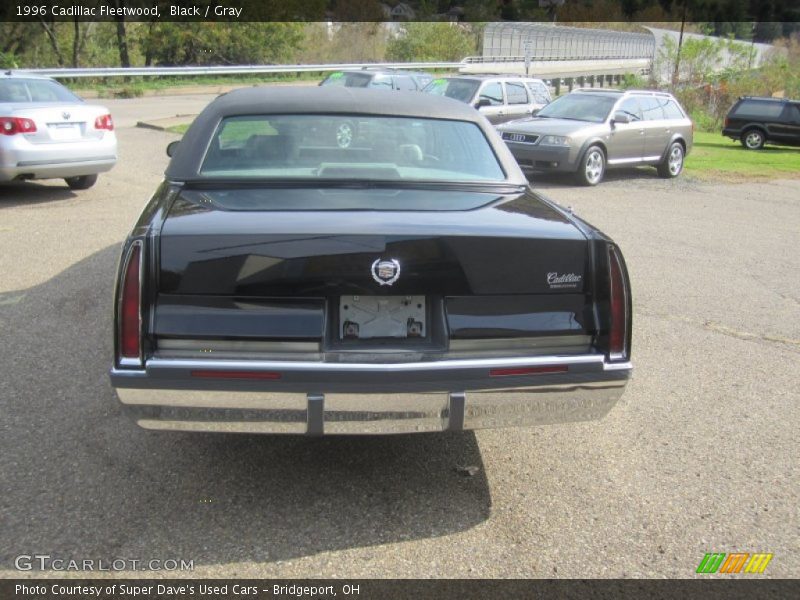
x: 589, y: 130
x: 499, y: 98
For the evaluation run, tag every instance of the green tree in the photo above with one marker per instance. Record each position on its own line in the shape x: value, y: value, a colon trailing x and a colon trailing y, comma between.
x: 432, y: 42
x: 206, y: 43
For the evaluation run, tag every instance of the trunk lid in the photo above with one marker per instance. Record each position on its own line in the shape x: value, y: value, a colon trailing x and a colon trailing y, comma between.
x: 59, y: 122
x: 507, y: 245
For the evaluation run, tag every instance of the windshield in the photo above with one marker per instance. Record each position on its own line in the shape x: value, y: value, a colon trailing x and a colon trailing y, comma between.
x: 34, y: 90
x: 579, y: 107
x: 458, y: 89
x: 350, y: 147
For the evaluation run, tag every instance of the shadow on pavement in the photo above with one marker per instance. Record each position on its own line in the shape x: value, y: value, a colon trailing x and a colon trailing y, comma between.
x: 82, y: 481
x: 611, y: 176
x: 26, y: 193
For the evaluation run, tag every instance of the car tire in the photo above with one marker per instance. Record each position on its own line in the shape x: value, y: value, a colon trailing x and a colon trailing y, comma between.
x: 673, y: 162
x: 82, y: 182
x: 346, y: 134
x: 753, y: 139
x: 592, y: 166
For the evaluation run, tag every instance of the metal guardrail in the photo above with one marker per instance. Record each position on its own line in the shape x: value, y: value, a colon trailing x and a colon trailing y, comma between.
x: 521, y: 59
x: 230, y: 70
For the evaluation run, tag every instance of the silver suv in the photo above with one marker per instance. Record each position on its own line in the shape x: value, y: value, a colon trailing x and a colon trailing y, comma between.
x: 499, y: 98
x: 589, y: 130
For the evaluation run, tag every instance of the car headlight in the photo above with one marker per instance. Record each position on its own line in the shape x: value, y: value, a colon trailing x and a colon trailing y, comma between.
x: 555, y: 140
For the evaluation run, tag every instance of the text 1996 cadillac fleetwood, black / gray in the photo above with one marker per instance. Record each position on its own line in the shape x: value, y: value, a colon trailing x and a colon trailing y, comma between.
x: 413, y: 281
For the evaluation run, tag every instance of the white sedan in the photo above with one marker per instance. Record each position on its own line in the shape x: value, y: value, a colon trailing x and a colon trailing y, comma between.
x: 47, y: 132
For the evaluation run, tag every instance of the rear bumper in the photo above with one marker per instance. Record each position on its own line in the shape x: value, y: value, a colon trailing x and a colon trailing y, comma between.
x: 367, y: 398
x: 20, y: 158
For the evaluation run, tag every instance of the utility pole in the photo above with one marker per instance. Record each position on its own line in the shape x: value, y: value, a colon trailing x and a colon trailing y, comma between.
x: 676, y: 74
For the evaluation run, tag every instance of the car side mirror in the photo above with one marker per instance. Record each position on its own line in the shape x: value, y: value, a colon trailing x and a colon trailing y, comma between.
x: 621, y: 117
x: 535, y: 112
x: 482, y: 102
x: 171, y: 147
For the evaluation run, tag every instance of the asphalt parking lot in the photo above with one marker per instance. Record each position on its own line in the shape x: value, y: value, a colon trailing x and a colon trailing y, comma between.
x: 700, y: 456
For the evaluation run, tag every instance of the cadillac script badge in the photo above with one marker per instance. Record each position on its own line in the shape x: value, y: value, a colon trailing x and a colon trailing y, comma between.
x: 386, y: 272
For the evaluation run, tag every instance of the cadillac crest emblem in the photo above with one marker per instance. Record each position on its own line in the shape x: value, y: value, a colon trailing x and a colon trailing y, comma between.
x: 385, y: 272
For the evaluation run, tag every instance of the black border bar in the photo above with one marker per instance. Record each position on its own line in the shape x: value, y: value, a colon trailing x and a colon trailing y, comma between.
x: 401, y: 589
x: 371, y: 10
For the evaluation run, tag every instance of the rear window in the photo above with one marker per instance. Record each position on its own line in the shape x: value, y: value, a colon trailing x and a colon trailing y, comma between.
x: 516, y: 93
x: 539, y: 92
x: 357, y: 147
x: 652, y: 108
x: 34, y: 90
x: 758, y: 108
x: 672, y: 110
x: 458, y: 89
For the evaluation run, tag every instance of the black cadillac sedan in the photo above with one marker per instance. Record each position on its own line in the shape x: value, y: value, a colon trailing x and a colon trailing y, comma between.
x: 412, y: 281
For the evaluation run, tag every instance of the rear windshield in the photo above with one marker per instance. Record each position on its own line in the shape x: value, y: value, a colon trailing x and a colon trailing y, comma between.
x: 458, y: 89
x: 34, y: 90
x: 579, y: 107
x: 348, y: 79
x: 350, y: 147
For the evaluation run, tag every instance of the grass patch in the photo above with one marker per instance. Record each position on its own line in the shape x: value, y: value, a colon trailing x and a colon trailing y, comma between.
x: 181, y: 129
x: 716, y: 157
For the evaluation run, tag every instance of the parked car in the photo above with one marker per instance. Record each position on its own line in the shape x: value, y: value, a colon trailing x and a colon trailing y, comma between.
x: 346, y: 133
x: 380, y: 78
x: 47, y: 132
x: 274, y: 284
x: 758, y: 121
x: 589, y: 130
x: 499, y: 98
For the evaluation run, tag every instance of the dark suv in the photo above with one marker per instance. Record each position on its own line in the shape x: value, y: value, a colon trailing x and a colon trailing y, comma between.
x: 758, y: 121
x: 384, y: 79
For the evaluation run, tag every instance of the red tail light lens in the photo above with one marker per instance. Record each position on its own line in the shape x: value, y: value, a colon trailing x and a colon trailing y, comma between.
x: 224, y: 374
x: 130, y: 313
x: 727, y: 122
x: 516, y: 371
x: 104, y: 122
x: 15, y: 125
x: 618, y: 335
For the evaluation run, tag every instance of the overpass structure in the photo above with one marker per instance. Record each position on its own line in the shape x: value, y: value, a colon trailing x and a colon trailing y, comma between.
x: 582, y: 55
x: 552, y: 51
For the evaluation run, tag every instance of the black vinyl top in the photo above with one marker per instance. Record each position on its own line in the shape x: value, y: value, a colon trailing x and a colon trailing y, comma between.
x: 185, y: 163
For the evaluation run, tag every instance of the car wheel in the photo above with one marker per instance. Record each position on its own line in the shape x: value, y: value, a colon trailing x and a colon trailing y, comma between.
x: 82, y: 182
x: 592, y: 167
x: 673, y: 163
x: 753, y: 139
x: 345, y: 134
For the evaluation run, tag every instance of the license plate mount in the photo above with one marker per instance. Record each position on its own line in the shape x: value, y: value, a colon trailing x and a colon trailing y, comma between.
x: 370, y: 317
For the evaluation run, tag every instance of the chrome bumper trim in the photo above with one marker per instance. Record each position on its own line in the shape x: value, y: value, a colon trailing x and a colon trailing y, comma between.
x: 155, y: 364
x: 352, y: 414
x: 163, y: 397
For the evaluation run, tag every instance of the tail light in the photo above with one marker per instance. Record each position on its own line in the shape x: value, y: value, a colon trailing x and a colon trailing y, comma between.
x: 514, y: 371
x: 130, y: 308
x: 727, y: 122
x: 620, y: 306
x: 15, y: 125
x: 104, y: 122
